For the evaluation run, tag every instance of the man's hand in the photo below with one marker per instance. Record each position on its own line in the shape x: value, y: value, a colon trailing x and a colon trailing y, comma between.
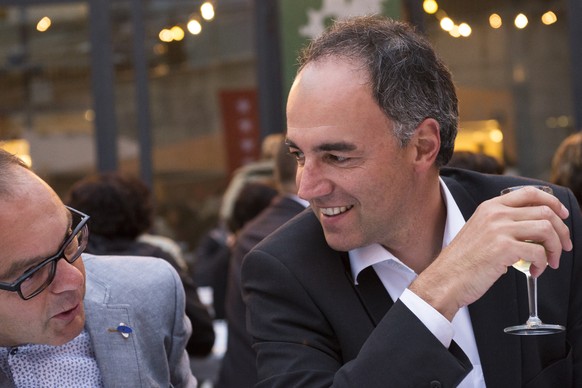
x: 494, y: 238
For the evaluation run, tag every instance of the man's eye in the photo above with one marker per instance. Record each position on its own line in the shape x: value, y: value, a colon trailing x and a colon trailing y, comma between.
x: 298, y: 155
x: 337, y: 158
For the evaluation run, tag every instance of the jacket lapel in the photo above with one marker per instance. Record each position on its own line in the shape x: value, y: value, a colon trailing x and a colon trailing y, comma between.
x: 490, y: 314
x: 116, y: 355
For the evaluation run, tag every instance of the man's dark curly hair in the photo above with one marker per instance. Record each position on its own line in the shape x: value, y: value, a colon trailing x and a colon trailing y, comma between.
x: 119, y: 205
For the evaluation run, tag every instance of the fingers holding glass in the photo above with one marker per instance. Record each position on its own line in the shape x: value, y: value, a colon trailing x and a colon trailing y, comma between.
x: 549, y: 243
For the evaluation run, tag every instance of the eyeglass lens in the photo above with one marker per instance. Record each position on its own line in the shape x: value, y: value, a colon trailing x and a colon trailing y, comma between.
x: 44, y: 275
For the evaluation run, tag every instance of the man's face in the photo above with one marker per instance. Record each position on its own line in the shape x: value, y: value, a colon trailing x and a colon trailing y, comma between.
x: 32, y: 227
x: 351, y: 169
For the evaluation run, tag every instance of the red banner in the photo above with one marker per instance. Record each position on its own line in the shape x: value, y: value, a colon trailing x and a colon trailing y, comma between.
x: 240, y: 115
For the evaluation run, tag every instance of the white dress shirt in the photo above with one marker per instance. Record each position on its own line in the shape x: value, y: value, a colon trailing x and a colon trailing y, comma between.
x: 397, y: 276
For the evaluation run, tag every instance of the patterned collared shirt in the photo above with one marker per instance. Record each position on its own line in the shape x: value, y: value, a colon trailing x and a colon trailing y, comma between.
x: 42, y: 366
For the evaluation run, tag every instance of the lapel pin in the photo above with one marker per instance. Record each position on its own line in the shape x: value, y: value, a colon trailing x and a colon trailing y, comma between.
x: 122, y: 329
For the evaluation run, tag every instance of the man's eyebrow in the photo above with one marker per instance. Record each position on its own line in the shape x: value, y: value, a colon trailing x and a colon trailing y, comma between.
x: 336, y: 146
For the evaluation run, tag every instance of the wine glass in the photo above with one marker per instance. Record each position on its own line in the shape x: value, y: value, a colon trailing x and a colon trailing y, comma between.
x: 533, y: 325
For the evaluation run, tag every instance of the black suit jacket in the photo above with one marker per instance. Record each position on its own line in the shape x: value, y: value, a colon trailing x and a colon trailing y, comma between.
x: 238, y: 369
x: 313, y: 327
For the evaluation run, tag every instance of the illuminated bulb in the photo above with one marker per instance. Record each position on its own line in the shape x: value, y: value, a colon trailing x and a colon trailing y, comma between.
x: 496, y: 135
x: 177, y: 33
x: 464, y: 29
x: 455, y: 32
x: 495, y: 21
x: 165, y: 35
x: 207, y: 11
x: 430, y: 6
x: 521, y: 21
x: 549, y: 18
x: 43, y: 24
x: 194, y: 27
x: 447, y: 24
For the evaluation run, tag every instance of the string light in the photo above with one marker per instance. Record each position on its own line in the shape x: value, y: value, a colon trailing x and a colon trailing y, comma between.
x: 165, y: 35
x: 495, y: 21
x: 177, y: 33
x: 43, y: 24
x: 194, y: 26
x: 464, y: 29
x: 207, y: 11
x: 430, y: 6
x: 447, y: 24
x: 549, y: 18
x: 521, y: 21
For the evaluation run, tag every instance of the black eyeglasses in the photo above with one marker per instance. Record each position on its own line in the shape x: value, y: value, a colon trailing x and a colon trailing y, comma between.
x: 37, y: 278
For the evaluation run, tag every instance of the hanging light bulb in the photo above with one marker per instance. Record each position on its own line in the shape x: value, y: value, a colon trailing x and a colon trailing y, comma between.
x: 447, y: 24
x: 177, y: 33
x: 165, y: 35
x: 194, y: 26
x: 430, y: 6
x: 549, y: 18
x: 521, y: 21
x: 465, y: 30
x: 43, y: 24
x: 495, y: 21
x: 207, y: 11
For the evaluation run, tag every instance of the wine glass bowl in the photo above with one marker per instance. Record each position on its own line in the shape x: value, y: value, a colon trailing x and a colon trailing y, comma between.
x: 533, y: 325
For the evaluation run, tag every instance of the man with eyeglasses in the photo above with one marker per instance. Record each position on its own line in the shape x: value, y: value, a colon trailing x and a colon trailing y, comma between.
x: 82, y: 321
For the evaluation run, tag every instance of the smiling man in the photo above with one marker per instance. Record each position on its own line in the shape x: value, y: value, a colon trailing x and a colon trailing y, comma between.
x: 66, y: 320
x: 399, y: 274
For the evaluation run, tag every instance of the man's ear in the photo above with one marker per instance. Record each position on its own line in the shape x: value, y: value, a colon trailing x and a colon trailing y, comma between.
x: 426, y: 143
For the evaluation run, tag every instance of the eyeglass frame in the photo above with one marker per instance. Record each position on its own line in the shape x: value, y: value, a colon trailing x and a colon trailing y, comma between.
x: 15, y: 286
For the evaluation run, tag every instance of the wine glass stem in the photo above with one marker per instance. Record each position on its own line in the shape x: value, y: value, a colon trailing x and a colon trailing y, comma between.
x: 532, y: 298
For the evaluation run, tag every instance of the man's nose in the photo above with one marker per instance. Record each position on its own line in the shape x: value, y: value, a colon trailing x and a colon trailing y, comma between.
x: 311, y: 182
x: 68, y: 277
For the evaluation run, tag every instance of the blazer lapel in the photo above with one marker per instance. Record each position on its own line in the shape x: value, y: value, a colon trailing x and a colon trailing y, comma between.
x: 116, y: 355
x: 490, y: 314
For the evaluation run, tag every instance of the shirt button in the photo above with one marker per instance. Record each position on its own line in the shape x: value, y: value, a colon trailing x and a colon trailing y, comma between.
x: 13, y: 351
x: 435, y: 384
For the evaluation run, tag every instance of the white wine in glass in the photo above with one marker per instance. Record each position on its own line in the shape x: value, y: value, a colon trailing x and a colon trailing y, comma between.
x: 533, y: 325
x: 522, y: 265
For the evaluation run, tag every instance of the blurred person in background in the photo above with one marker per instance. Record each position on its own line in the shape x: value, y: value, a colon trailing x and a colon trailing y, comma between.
x: 121, y: 207
x: 238, y: 369
x: 476, y: 161
x: 84, y: 321
x: 567, y: 165
x: 212, y: 256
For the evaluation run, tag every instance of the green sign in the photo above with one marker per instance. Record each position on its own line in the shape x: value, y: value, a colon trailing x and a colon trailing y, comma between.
x: 303, y: 20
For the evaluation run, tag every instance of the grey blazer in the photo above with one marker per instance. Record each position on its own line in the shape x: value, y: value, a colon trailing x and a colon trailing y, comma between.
x: 146, y: 294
